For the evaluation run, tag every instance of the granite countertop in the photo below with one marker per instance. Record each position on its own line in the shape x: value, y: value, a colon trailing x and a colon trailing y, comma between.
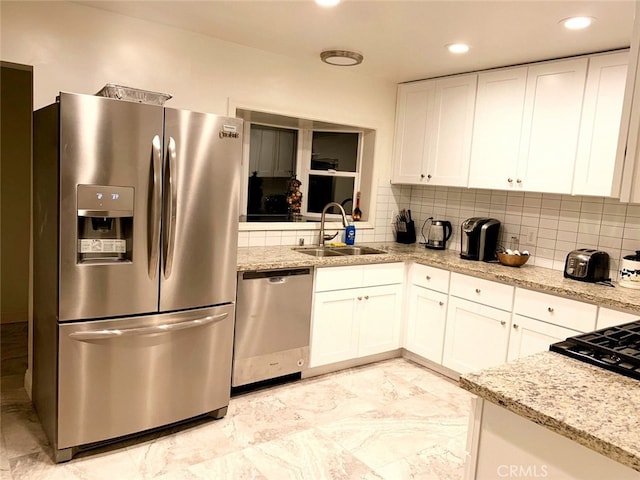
x: 527, y: 276
x: 587, y: 404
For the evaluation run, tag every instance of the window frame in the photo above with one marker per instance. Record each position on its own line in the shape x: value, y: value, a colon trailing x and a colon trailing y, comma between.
x: 306, y: 171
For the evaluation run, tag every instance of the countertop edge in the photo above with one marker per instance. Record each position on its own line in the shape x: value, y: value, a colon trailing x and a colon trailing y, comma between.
x: 553, y: 282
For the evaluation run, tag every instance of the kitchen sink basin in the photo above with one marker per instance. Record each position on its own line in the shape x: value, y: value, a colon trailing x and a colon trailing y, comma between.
x: 338, y: 251
x: 358, y: 251
x: 318, y: 252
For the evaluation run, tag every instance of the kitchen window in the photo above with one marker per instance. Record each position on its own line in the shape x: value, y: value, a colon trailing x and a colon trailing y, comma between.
x: 326, y: 161
x: 333, y: 173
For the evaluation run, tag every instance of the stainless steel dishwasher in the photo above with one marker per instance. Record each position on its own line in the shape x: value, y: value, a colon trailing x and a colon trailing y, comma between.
x: 273, y: 323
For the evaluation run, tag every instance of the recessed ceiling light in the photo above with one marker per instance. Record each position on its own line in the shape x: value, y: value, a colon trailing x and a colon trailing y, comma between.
x: 327, y: 3
x: 458, y: 47
x: 577, y: 23
x: 343, y: 58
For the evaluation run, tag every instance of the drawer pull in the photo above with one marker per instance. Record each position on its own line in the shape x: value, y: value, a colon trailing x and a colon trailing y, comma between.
x: 441, y: 303
x: 477, y: 290
x: 428, y: 277
x: 359, y: 298
x: 366, y: 297
x: 550, y: 309
x: 503, y: 323
x: 515, y: 326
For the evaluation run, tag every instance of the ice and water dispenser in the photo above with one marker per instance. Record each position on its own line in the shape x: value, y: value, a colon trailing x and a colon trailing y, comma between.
x: 105, y: 224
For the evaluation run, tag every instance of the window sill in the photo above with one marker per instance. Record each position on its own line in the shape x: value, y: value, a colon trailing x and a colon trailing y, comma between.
x: 261, y: 226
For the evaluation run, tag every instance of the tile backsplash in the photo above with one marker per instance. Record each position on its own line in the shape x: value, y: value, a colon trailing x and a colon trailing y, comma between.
x: 547, y: 225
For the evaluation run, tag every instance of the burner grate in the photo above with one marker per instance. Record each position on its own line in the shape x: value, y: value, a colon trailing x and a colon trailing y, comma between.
x: 614, y: 348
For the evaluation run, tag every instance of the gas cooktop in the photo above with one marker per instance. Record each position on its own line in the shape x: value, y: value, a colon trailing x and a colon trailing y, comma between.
x: 614, y: 348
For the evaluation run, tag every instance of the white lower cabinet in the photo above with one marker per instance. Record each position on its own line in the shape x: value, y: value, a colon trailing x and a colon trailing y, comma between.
x: 349, y: 323
x: 427, y: 311
x: 459, y: 321
x: 476, y: 336
x: 334, y: 336
x: 529, y: 336
x: 608, y: 317
x: 426, y: 323
x: 378, y: 318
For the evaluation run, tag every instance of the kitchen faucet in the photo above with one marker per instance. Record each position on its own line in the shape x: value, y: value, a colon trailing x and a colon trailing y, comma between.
x: 323, y: 238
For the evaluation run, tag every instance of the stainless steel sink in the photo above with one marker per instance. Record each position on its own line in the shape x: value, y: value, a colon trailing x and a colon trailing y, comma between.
x: 358, y: 251
x: 318, y: 252
x: 338, y: 251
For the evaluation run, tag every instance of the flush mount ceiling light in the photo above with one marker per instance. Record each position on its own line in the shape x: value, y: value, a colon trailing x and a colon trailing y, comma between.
x: 458, y: 47
x: 327, y: 3
x: 577, y: 23
x: 343, y: 58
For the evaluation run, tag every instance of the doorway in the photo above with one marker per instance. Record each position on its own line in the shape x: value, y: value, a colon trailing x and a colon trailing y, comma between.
x: 16, y: 112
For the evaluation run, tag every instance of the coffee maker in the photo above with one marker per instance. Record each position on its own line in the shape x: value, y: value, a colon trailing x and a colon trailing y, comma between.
x: 479, y: 238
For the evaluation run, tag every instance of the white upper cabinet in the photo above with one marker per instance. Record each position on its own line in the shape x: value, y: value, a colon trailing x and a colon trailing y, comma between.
x: 544, y: 127
x: 433, y: 131
x: 526, y: 127
x: 550, y: 125
x: 597, y: 172
x: 273, y: 155
x: 497, y: 128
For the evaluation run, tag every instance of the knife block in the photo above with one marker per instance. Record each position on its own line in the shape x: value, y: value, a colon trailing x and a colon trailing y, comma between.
x: 406, y: 237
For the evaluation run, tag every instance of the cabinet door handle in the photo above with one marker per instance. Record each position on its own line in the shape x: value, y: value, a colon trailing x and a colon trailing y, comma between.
x: 519, y: 181
x: 515, y: 326
x: 503, y: 323
x: 429, y: 176
x: 478, y: 291
x: 422, y: 175
x: 366, y: 297
x: 441, y: 303
x: 428, y: 277
x: 359, y: 298
x: 550, y: 309
x: 510, y: 180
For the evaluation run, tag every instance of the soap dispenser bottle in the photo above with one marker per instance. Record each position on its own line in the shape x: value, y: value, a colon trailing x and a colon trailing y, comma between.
x: 350, y: 235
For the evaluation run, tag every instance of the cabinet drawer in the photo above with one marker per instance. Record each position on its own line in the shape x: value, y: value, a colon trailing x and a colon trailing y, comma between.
x: 382, y: 274
x: 356, y: 276
x: 430, y: 277
x: 338, y: 278
x: 483, y: 291
x: 556, y: 310
x: 609, y: 318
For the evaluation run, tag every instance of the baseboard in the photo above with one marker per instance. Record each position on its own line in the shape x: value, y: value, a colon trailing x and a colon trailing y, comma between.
x: 431, y: 365
x: 14, y: 317
x: 28, y: 382
x: 354, y: 362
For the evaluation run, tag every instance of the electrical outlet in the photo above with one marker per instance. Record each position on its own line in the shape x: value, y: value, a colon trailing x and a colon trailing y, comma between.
x: 528, y: 235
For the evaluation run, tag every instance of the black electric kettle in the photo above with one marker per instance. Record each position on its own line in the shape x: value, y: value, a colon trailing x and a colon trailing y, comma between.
x: 438, y: 234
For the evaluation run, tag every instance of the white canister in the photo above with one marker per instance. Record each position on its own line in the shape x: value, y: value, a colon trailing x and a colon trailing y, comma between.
x: 630, y: 271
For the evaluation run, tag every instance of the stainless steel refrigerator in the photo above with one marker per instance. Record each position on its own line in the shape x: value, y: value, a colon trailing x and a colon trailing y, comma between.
x: 135, y: 238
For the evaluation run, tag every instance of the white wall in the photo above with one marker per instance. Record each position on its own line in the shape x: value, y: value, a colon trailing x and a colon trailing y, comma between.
x: 79, y: 49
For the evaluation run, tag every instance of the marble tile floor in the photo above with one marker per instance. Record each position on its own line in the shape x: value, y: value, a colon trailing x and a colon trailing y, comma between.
x: 389, y: 420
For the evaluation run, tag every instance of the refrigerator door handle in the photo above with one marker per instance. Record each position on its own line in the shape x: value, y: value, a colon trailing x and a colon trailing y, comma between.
x: 156, y: 205
x: 169, y: 243
x: 153, y: 330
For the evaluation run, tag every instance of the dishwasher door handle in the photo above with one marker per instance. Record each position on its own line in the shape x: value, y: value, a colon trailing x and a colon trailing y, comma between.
x: 277, y: 280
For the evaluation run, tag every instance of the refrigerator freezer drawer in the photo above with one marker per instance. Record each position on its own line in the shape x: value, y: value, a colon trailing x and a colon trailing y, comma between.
x: 119, y: 377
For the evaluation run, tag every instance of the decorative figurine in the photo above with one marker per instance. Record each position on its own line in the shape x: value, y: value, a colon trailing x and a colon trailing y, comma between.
x: 294, y: 196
